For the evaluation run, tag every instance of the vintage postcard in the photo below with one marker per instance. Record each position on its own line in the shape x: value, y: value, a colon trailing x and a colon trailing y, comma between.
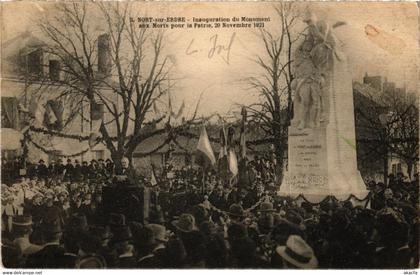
x: 185, y: 135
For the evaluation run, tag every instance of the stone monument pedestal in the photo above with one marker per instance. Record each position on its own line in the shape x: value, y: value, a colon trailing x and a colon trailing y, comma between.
x: 314, y: 169
x: 322, y: 142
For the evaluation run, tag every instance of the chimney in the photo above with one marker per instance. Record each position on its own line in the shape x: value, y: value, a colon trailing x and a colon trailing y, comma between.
x: 104, y: 54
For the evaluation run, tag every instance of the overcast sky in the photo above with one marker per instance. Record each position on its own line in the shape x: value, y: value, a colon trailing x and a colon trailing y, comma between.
x: 391, y: 52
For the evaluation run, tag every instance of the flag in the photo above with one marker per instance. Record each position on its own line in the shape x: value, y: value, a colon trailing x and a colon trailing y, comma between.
x: 223, y: 144
x: 230, y: 137
x: 233, y: 162
x: 205, y: 153
x: 49, y: 116
x: 36, y: 110
x: 242, y: 136
x: 181, y: 109
x: 10, y: 112
x: 171, y: 113
x: 53, y: 116
x: 222, y: 162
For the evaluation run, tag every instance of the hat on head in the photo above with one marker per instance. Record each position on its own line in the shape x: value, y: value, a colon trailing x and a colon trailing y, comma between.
x: 122, y: 234
x: 236, y: 210
x: 293, y: 219
x: 185, y: 223
x: 91, y: 262
x: 298, y: 253
x: 103, y: 232
x: 156, y: 216
x: 116, y: 219
x: 159, y: 232
x: 78, y: 221
x: 142, y: 236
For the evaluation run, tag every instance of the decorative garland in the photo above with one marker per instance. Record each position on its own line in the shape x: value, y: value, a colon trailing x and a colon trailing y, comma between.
x: 332, y: 198
x: 52, y: 152
x: 58, y: 134
x: 250, y: 209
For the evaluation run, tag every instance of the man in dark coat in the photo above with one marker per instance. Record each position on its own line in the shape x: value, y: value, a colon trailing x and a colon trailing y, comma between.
x: 69, y: 169
x: 77, y: 171
x: 393, y: 251
x: 85, y: 169
x: 52, y: 254
x: 42, y: 169
x: 127, y: 174
x: 60, y: 168
x: 109, y: 167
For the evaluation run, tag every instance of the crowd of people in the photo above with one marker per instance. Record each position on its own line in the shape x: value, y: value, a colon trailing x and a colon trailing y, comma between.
x: 55, y: 218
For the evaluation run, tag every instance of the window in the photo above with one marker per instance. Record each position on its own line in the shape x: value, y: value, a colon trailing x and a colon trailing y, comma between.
x: 98, y: 154
x: 54, y: 68
x: 103, y: 54
x: 34, y: 62
x: 54, y: 156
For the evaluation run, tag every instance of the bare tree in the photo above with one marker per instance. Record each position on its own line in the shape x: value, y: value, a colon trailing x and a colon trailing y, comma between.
x: 274, y: 112
x: 128, y: 79
x: 387, y: 125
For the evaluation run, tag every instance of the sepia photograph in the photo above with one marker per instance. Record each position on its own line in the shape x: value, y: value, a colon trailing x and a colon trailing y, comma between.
x: 209, y: 135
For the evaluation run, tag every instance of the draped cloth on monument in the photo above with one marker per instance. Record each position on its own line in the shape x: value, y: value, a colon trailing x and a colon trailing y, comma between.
x: 321, y: 144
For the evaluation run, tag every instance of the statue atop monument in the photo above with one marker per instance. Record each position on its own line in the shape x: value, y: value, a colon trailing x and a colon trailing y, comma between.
x: 322, y: 159
x: 313, y: 65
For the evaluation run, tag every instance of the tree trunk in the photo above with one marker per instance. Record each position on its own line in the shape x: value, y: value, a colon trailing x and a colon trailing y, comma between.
x: 116, y: 158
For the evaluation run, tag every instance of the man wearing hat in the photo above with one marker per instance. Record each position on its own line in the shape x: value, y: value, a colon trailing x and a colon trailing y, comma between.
x: 85, y: 170
x: 185, y: 223
x: 155, y: 258
x: 266, y: 218
x: 51, y: 212
x: 105, y: 235
x: 93, y: 169
x: 236, y: 213
x: 69, y: 170
x: 77, y: 171
x: 60, y: 168
x: 88, y: 249
x: 42, y: 170
x: 124, y: 250
x: 297, y: 254
x: 22, y: 228
x: 109, y: 167
x: 52, y: 252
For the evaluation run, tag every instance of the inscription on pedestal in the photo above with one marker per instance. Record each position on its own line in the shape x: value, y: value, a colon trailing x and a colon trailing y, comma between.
x: 307, y: 151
